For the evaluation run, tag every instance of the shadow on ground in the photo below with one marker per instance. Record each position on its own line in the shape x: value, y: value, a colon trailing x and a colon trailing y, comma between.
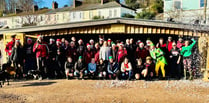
x: 38, y: 84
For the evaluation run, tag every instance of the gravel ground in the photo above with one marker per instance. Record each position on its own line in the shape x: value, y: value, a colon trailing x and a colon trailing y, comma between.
x: 105, y: 91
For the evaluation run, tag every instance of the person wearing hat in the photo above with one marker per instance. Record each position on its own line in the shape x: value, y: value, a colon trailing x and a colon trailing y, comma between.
x: 91, y: 44
x: 158, y: 55
x: 52, y: 58
x: 114, y: 51
x: 121, y: 53
x: 186, y: 52
x: 80, y: 68
x: 126, y: 69
x: 141, y: 51
x: 109, y: 41
x: 9, y: 47
x: 175, y: 58
x: 148, y: 71
x: 17, y: 58
x: 88, y: 54
x: 113, y: 69
x: 80, y: 47
x: 72, y: 51
x: 29, y: 57
x: 60, y: 59
x: 42, y: 52
x: 101, y: 40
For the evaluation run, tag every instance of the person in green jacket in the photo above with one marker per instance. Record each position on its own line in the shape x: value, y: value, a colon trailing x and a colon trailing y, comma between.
x: 158, y: 55
x: 186, y: 52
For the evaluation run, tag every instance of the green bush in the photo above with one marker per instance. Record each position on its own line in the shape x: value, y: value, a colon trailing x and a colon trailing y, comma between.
x: 97, y: 17
x: 1, y: 13
x: 127, y: 15
x: 145, y: 14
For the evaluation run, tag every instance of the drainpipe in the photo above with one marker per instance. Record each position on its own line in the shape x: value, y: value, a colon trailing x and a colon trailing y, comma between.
x: 205, y: 11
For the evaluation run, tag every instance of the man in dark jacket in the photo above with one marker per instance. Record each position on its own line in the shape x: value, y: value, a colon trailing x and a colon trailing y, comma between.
x: 29, y: 57
x: 80, y: 68
x: 112, y: 69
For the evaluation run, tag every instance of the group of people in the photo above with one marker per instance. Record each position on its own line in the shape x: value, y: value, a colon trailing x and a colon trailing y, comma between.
x: 105, y: 59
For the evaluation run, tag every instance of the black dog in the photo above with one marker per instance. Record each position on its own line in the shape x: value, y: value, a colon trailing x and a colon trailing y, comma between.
x: 4, y: 77
x: 33, y: 74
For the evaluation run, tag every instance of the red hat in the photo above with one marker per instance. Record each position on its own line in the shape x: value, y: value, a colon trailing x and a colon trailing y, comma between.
x: 88, y: 45
x: 121, y: 44
x: 109, y: 40
x: 80, y: 40
x: 17, y: 40
x: 59, y: 40
x: 29, y: 39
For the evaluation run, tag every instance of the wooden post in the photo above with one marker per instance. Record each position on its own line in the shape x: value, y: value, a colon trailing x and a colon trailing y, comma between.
x: 206, y: 72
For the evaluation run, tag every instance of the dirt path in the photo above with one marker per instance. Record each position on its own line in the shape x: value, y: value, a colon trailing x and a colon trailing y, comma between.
x: 88, y: 91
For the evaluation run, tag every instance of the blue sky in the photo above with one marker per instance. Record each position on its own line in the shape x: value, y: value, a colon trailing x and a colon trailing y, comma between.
x: 61, y: 3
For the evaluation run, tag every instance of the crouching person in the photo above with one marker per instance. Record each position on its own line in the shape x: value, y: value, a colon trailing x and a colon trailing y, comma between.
x: 101, y: 69
x: 126, y: 69
x: 149, y: 70
x: 112, y: 69
x: 80, y: 68
x: 138, y: 69
x: 69, y: 68
x: 92, y: 67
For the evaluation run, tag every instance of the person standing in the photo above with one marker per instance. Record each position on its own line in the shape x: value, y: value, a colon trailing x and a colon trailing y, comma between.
x: 17, y: 58
x: 175, y: 58
x: 186, y: 52
x: 8, y: 49
x: 29, y: 57
x: 41, y: 49
x: 158, y: 55
x: 104, y: 52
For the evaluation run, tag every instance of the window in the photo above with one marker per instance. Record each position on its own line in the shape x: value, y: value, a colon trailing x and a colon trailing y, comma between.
x: 115, y: 13
x: 177, y: 4
x: 90, y: 14
x: 73, y: 15
x: 110, y: 13
x: 49, y: 18
x: 99, y: 13
x: 63, y: 16
x: 41, y: 17
x: 202, y: 4
x: 57, y: 17
x: 80, y: 15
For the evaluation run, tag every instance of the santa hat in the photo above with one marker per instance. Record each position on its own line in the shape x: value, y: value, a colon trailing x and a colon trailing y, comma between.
x: 91, y: 40
x: 29, y: 39
x: 88, y: 45
x: 58, y: 40
x: 80, y: 40
x: 101, y: 39
x: 17, y: 40
x: 113, y: 44
x: 109, y: 40
x: 141, y: 43
x: 121, y: 44
x: 51, y: 39
x: 149, y: 42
